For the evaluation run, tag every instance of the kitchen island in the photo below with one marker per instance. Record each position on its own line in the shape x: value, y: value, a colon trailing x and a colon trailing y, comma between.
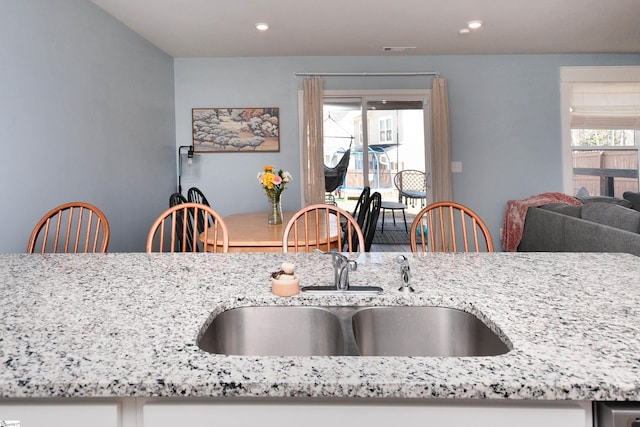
x: 119, y: 331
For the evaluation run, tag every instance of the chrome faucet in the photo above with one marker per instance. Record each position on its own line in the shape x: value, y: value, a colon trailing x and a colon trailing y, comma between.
x: 341, y: 267
x: 405, y: 272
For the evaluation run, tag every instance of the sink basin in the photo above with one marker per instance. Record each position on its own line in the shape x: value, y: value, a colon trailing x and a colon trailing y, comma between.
x: 349, y: 331
x: 274, y: 331
x: 423, y: 331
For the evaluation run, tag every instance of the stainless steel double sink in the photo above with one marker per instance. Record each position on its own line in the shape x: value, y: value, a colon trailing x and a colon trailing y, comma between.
x: 350, y: 331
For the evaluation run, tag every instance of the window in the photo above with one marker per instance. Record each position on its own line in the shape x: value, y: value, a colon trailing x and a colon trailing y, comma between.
x: 601, y: 129
x: 386, y: 129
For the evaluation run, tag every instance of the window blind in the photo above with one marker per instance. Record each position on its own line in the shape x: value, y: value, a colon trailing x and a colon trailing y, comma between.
x: 605, y: 105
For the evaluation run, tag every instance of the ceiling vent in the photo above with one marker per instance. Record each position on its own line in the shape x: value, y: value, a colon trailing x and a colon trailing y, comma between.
x: 398, y: 48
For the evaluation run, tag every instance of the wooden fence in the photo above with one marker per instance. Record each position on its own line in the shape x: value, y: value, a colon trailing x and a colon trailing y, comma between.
x: 605, y: 173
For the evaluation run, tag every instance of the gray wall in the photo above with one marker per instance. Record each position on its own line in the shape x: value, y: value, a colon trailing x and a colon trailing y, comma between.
x: 505, y: 120
x: 86, y: 113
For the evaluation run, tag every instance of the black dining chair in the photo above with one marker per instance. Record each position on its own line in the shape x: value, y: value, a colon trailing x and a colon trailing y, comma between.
x: 371, y: 220
x: 178, y: 199
x: 360, y: 211
x: 194, y: 195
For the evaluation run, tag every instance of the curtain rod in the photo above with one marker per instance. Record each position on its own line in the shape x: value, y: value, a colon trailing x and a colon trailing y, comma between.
x: 375, y: 74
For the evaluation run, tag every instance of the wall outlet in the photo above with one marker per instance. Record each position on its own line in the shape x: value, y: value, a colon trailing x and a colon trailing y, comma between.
x: 456, y: 167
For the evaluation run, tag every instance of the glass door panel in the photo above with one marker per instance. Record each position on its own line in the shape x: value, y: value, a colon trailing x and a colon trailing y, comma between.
x: 387, y: 138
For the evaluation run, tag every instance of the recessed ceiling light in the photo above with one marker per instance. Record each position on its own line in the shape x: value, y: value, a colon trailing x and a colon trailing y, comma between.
x: 262, y: 26
x: 464, y: 31
x: 474, y: 25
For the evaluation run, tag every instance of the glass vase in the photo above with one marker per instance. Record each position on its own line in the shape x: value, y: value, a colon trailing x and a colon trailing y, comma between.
x: 275, y: 213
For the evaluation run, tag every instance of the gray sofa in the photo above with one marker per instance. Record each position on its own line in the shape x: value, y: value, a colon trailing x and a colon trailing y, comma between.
x: 599, y: 225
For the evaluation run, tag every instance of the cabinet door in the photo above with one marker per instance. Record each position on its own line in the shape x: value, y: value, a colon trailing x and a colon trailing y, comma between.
x: 60, y: 414
x: 372, y: 415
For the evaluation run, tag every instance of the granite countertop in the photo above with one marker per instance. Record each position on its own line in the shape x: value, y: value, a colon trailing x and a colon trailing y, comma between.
x: 126, y: 325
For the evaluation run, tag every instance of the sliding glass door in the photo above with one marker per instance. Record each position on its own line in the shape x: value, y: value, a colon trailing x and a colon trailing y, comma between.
x: 381, y: 133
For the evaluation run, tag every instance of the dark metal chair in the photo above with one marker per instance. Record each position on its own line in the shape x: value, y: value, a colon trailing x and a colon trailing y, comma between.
x: 371, y: 219
x: 360, y: 211
x: 196, y: 196
x: 412, y: 185
x: 178, y: 199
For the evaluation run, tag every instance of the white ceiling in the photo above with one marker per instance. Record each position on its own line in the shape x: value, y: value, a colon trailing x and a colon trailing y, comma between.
x: 214, y: 28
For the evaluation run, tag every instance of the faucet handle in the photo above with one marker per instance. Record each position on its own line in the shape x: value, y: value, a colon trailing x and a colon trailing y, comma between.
x: 402, y: 259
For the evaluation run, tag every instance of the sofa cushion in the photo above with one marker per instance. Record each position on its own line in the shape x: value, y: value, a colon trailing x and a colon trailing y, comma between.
x: 634, y: 198
x: 605, y: 199
x: 612, y: 215
x: 565, y: 209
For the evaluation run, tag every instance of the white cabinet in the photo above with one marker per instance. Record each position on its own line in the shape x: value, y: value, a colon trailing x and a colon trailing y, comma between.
x: 159, y: 412
x: 60, y: 414
x: 379, y: 413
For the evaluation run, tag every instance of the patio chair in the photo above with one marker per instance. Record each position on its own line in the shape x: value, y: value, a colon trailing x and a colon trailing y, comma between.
x: 412, y: 186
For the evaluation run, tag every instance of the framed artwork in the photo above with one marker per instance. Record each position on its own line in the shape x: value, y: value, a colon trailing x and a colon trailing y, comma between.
x: 235, y: 129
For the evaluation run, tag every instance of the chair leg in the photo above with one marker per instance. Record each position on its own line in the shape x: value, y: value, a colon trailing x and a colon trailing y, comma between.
x: 382, y: 230
x: 405, y: 221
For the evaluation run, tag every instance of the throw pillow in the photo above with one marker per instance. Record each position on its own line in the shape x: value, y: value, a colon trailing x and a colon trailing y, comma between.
x: 634, y: 198
x: 582, y: 192
x: 605, y: 199
x: 612, y: 215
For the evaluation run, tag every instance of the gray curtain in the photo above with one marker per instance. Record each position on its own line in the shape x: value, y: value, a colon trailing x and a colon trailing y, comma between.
x: 312, y: 144
x: 441, y: 141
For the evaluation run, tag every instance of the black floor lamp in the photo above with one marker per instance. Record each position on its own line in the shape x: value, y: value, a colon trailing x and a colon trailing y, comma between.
x: 189, y: 156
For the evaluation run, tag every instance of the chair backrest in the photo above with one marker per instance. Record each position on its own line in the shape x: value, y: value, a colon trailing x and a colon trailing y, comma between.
x: 196, y: 196
x: 411, y: 184
x: 319, y: 227
x: 75, y: 227
x: 410, y: 180
x: 360, y: 211
x: 176, y: 199
x: 447, y: 227
x: 371, y: 220
x: 173, y: 229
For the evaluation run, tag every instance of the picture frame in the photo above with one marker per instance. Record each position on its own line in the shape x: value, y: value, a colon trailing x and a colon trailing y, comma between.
x: 225, y: 130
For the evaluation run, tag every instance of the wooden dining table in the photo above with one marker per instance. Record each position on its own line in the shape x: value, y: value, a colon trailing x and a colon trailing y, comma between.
x: 250, y: 232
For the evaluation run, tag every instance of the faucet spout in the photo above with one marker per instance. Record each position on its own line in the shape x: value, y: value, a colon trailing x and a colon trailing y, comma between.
x: 405, y: 274
x: 341, y: 267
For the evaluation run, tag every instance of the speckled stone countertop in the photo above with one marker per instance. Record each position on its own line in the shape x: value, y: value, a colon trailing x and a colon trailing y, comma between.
x: 126, y: 325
